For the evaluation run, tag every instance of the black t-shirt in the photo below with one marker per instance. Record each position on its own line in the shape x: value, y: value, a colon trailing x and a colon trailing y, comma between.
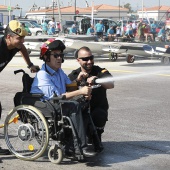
x: 168, y: 50
x: 99, y: 97
x: 5, y: 54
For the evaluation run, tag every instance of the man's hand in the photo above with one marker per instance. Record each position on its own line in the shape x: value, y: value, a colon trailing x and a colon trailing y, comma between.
x: 81, y: 76
x: 86, y: 91
x: 88, y: 97
x: 34, y: 69
x: 90, y: 80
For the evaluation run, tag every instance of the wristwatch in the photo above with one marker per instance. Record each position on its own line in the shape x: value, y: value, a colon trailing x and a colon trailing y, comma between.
x: 30, y: 65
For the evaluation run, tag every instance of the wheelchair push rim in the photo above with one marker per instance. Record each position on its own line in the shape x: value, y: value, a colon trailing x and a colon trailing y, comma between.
x: 27, y: 136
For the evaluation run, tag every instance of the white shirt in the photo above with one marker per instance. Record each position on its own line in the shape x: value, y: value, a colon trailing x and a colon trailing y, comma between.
x: 51, y: 23
x: 134, y: 26
x: 128, y: 27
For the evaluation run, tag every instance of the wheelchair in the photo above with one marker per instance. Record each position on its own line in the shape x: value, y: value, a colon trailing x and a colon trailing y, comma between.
x: 30, y: 129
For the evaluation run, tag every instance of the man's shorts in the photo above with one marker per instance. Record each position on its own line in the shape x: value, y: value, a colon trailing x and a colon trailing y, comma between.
x: 99, y: 33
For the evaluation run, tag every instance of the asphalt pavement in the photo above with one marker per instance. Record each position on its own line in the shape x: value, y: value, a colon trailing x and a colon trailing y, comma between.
x: 136, y: 136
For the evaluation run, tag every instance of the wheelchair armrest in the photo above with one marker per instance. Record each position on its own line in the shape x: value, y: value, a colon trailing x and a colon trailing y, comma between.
x: 36, y: 95
x: 39, y: 95
x: 58, y: 98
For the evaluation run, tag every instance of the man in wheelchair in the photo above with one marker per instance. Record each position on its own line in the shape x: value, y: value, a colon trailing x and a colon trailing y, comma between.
x: 51, y: 81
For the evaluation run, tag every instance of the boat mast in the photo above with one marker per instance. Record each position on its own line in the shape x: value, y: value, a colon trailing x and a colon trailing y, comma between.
x: 59, y: 13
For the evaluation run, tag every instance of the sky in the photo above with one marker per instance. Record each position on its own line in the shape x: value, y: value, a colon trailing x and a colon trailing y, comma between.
x: 135, y: 4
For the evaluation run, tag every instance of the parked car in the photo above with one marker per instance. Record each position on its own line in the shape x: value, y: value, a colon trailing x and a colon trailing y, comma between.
x: 1, y: 28
x: 30, y: 20
x: 67, y: 25
x: 33, y: 26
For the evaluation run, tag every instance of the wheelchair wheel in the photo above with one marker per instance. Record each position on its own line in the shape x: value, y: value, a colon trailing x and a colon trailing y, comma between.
x: 55, y: 154
x: 27, y: 136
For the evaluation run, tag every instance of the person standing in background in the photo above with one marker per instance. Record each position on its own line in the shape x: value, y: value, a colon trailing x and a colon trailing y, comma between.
x: 44, y: 27
x: 99, y: 28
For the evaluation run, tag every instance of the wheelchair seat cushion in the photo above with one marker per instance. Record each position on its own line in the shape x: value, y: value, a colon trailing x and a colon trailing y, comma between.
x: 34, y: 100
x: 46, y: 108
x: 26, y: 98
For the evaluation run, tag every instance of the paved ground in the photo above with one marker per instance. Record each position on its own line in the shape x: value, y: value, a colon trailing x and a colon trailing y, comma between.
x: 137, y: 134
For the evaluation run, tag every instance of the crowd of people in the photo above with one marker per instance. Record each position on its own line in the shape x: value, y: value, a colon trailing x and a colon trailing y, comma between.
x: 140, y: 30
x: 51, y: 27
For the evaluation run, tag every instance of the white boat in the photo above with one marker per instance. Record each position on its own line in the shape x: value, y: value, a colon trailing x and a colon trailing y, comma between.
x: 33, y: 43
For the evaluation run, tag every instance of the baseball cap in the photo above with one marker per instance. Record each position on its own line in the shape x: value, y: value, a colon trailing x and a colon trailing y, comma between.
x: 17, y: 28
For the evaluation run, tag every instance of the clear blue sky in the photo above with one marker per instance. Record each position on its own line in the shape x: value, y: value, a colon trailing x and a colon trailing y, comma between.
x: 135, y: 4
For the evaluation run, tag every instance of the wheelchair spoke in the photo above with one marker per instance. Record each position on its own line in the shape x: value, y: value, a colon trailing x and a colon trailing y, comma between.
x: 27, y: 137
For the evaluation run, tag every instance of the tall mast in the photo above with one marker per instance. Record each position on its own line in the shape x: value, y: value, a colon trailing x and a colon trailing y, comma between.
x: 59, y: 13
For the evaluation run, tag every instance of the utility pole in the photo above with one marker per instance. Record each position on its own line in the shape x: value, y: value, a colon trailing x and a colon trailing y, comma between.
x: 159, y: 10
x: 59, y: 13
x: 142, y: 9
x: 119, y: 10
x: 53, y: 8
x: 9, y: 10
x: 75, y: 9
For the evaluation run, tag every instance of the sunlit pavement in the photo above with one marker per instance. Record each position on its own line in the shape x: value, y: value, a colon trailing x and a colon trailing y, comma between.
x: 137, y: 133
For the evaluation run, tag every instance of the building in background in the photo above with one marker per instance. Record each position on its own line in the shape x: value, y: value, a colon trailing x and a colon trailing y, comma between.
x: 68, y: 13
x: 6, y: 14
x: 156, y: 13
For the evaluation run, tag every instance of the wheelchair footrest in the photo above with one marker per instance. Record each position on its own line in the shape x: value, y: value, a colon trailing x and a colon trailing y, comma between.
x: 79, y: 157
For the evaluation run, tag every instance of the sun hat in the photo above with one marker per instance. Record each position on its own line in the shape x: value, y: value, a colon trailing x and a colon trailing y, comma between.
x: 17, y: 28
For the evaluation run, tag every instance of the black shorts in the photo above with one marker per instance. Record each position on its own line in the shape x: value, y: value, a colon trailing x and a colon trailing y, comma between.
x: 99, y: 33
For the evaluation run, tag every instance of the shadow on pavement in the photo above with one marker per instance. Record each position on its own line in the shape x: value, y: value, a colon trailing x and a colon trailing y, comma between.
x: 117, y: 152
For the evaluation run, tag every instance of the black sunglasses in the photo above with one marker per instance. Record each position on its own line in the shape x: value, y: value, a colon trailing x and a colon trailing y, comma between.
x: 58, y: 55
x: 87, y: 58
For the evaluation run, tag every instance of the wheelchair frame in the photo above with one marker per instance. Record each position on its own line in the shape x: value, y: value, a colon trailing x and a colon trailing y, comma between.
x: 28, y: 136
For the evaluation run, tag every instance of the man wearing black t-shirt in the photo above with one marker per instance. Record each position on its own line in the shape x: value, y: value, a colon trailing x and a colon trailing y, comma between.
x: 10, y: 44
x: 88, y: 72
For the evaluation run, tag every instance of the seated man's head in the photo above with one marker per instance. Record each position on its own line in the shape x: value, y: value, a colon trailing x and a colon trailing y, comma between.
x: 52, y: 53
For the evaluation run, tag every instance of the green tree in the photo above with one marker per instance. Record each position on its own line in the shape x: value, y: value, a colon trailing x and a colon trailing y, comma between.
x: 128, y: 6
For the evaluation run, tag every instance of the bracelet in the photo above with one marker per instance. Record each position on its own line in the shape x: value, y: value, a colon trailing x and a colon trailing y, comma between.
x: 30, y: 65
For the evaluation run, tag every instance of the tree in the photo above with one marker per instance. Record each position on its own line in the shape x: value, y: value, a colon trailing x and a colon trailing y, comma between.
x: 128, y: 6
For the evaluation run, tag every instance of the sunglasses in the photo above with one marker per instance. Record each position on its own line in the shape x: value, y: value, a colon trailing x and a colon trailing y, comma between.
x: 87, y: 58
x: 61, y: 55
